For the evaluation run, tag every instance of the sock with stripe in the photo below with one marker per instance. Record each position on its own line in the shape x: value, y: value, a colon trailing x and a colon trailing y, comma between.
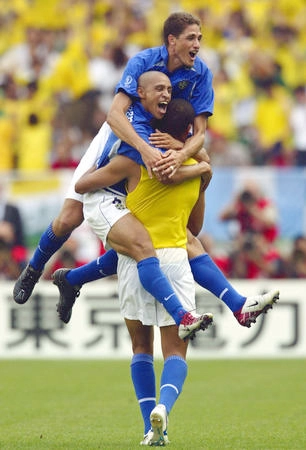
x: 143, y: 378
x: 172, y: 380
x: 208, y: 275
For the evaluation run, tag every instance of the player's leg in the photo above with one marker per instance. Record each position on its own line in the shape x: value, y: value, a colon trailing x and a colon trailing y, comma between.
x: 207, y: 274
x: 129, y: 237
x: 69, y: 218
x: 113, y: 222
x: 172, y: 380
x: 142, y: 369
x: 52, y: 239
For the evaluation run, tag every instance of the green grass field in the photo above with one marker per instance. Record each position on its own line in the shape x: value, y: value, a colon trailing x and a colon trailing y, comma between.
x: 77, y: 405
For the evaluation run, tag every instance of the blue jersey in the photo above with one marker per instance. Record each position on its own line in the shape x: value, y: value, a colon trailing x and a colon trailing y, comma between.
x: 109, y: 151
x: 140, y: 119
x: 193, y: 84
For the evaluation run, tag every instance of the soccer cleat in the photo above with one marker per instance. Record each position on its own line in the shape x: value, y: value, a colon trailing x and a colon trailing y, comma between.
x: 68, y: 294
x: 147, y: 440
x: 190, y: 325
x: 25, y: 284
x: 254, y: 306
x: 159, y: 422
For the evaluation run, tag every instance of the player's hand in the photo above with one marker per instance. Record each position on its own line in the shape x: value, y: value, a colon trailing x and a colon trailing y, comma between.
x: 164, y: 140
x: 206, y: 175
x: 150, y: 157
x: 170, y: 162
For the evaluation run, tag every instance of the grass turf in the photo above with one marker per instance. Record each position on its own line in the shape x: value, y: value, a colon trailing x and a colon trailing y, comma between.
x: 245, y: 404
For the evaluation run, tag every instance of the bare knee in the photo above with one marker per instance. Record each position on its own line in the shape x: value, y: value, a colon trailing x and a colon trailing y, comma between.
x: 69, y: 218
x: 141, y: 336
x: 194, y: 246
x: 171, y: 343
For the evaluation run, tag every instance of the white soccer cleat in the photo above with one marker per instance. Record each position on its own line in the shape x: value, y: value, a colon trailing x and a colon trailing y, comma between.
x: 159, y: 422
x: 191, y: 324
x: 254, y: 306
x: 148, y: 440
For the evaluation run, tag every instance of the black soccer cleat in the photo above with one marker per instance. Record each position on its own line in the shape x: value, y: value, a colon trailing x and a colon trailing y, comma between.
x: 25, y: 284
x: 68, y: 294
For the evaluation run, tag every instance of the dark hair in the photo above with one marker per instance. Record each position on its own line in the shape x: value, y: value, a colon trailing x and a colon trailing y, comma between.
x: 180, y: 114
x: 246, y: 197
x: 177, y: 22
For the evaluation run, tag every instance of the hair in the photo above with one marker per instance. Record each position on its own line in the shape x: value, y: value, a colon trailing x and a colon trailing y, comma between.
x: 177, y: 22
x: 180, y: 114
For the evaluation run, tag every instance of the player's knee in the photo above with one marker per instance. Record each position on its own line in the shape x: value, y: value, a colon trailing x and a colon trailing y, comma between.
x: 67, y: 221
x: 142, y: 249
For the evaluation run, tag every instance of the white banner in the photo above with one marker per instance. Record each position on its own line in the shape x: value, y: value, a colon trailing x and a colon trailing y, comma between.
x: 97, y: 330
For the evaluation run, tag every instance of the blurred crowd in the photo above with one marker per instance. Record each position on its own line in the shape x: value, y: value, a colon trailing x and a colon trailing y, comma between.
x: 60, y: 61
x: 253, y: 250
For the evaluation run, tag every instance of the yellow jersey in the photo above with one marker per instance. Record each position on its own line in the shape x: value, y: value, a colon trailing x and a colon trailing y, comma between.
x: 164, y: 209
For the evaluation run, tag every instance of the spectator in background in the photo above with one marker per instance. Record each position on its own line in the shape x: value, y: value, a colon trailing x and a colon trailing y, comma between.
x: 34, y: 145
x: 227, y: 153
x: 252, y: 258
x: 105, y: 72
x: 12, y: 257
x: 296, y: 263
x: 253, y: 212
x: 66, y: 257
x: 297, y: 120
x: 11, y: 214
x: 62, y: 154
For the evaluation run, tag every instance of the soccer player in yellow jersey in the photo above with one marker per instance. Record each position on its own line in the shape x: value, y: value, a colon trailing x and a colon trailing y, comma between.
x: 165, y: 210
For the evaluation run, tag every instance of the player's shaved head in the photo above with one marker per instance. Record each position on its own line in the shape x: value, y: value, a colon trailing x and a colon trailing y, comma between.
x: 151, y: 77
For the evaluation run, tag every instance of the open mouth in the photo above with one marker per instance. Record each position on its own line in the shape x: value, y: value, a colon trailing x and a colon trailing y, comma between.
x: 163, y: 107
x: 192, y: 55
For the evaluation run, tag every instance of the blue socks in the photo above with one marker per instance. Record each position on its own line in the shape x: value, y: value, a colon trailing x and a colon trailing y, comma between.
x: 172, y: 380
x: 143, y: 377
x: 156, y: 283
x: 208, y: 275
x: 48, y: 244
x: 104, y: 266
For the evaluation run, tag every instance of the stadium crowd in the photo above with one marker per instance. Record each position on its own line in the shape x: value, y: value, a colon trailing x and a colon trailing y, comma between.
x: 58, y: 72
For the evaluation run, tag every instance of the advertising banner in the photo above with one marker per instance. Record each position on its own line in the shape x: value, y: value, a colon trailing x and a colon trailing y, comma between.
x: 97, y: 330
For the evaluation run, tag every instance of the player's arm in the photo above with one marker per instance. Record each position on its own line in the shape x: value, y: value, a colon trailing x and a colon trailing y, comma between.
x: 172, y: 159
x: 196, y: 218
x: 185, y: 172
x: 122, y: 128
x: 116, y: 170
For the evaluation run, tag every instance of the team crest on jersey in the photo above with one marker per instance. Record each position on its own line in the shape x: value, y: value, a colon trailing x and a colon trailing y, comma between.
x: 119, y: 204
x: 183, y: 84
x: 128, y: 81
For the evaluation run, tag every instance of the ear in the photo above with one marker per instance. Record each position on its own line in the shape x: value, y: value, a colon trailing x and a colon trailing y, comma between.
x: 140, y: 92
x: 171, y: 39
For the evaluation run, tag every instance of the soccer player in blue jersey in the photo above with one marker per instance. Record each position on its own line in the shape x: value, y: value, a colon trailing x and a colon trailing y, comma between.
x: 176, y: 58
x: 191, y: 80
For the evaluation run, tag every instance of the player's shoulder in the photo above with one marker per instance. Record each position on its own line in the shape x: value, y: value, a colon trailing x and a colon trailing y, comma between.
x: 201, y: 66
x: 148, y: 53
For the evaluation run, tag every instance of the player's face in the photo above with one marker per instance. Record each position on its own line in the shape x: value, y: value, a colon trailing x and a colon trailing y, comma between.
x: 156, y: 97
x: 184, y: 48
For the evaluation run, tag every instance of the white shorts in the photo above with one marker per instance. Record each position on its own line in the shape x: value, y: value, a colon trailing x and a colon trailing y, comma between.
x: 137, y: 304
x: 88, y: 160
x: 102, y: 209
